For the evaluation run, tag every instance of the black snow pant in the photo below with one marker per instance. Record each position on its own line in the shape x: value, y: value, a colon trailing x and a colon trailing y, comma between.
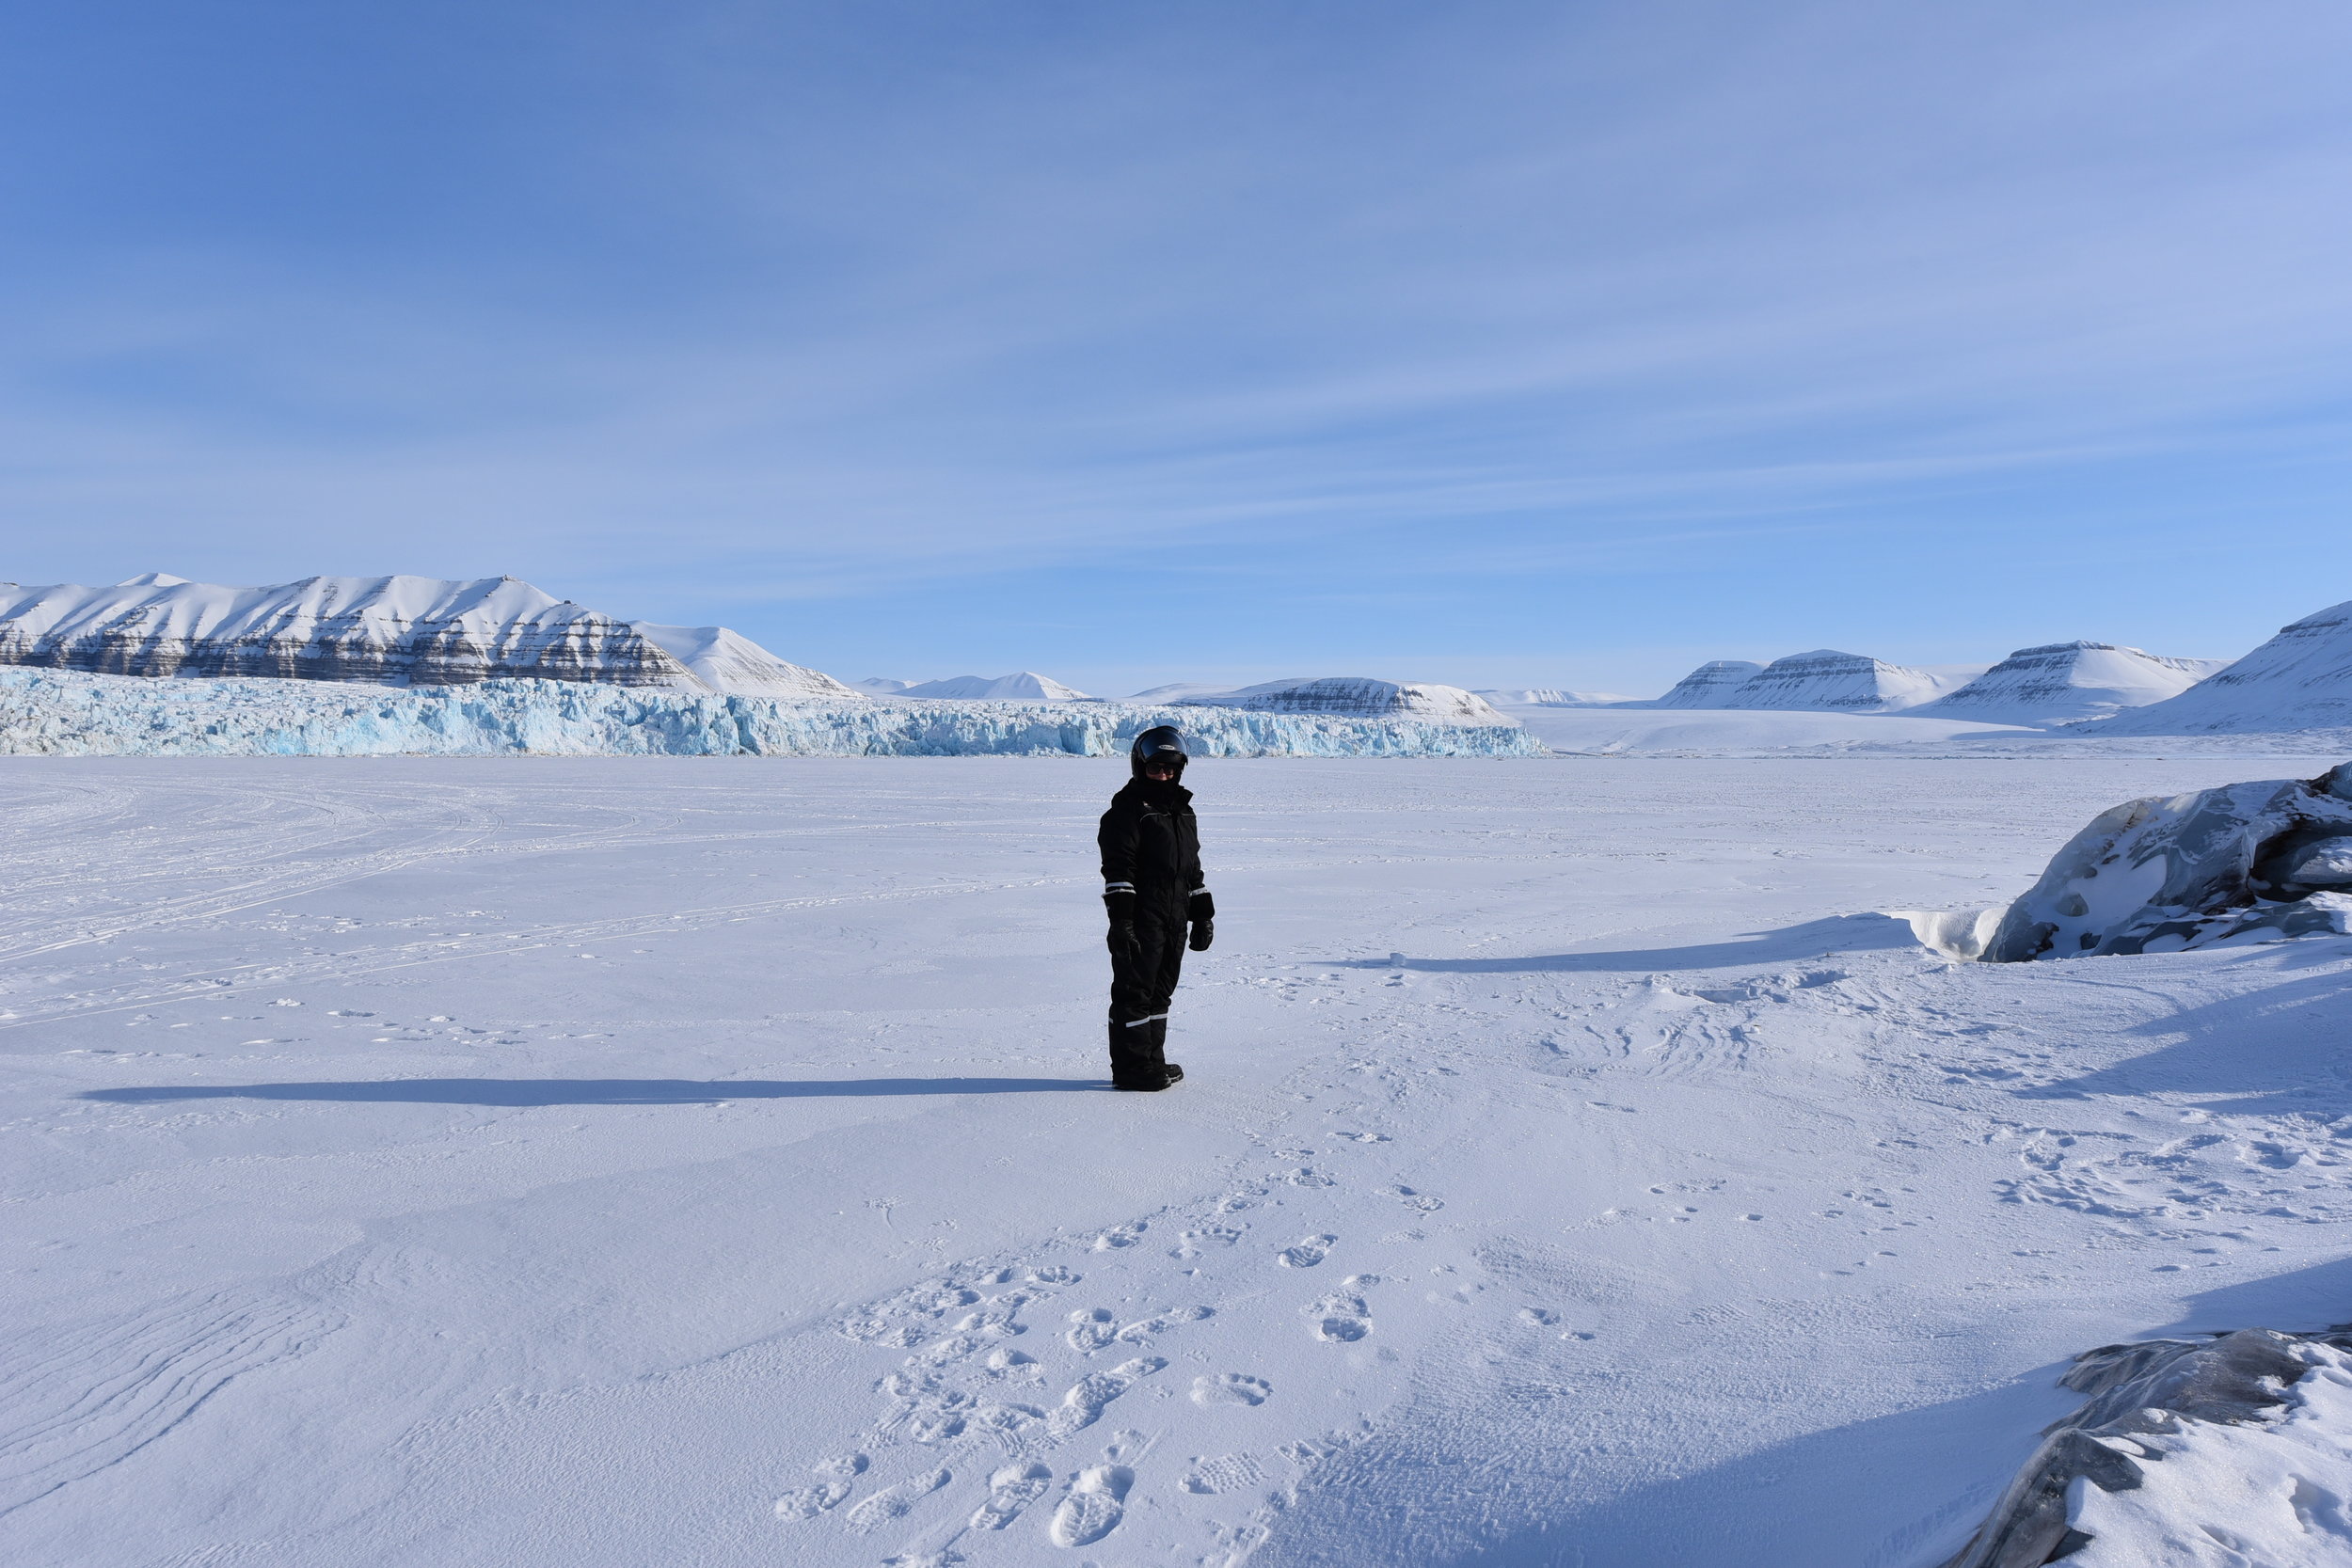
x: 1143, y: 983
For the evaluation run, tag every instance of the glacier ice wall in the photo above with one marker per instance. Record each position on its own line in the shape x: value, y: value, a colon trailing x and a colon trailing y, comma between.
x: 59, y: 713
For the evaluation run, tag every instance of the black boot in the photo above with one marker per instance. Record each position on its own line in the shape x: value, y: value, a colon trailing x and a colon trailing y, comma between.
x: 1135, y: 1060
x: 1170, y: 1073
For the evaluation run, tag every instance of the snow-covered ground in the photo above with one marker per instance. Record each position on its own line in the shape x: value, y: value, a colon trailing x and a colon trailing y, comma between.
x: 1697, y: 731
x: 611, y: 1162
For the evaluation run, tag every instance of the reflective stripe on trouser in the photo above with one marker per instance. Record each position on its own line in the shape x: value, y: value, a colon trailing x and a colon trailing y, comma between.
x: 1143, y: 983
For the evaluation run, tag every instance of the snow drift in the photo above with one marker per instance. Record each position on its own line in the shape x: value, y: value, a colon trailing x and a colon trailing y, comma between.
x: 1025, y: 686
x: 388, y: 630
x: 2300, y: 679
x: 2183, y: 1444
x: 2066, y: 682
x: 1361, y: 697
x: 61, y: 714
x: 2256, y: 862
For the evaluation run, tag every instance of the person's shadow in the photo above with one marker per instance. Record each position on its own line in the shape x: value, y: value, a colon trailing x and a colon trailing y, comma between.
x: 1815, y: 939
x: 591, y: 1091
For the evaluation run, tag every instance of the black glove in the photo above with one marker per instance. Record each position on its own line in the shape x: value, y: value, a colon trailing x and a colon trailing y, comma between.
x: 1121, y: 940
x: 1203, y: 933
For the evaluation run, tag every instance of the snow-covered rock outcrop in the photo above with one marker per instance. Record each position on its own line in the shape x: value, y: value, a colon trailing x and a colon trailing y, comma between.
x: 2256, y: 862
x: 1710, y: 682
x: 57, y: 713
x: 1361, y: 697
x: 2066, y: 682
x: 881, y: 686
x: 2300, y: 679
x: 2186, y: 1445
x: 1833, y: 682
x: 1025, y: 686
x: 727, y: 662
x: 390, y: 631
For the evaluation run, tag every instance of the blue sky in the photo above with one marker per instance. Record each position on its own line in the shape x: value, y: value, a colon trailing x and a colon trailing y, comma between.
x: 1484, y: 343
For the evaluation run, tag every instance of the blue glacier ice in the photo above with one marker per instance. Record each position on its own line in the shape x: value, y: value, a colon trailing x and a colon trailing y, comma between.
x: 60, y: 713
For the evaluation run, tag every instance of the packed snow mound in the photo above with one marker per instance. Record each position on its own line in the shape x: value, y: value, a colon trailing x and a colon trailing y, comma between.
x: 2257, y: 862
x: 2300, y: 679
x: 390, y: 630
x: 729, y: 663
x: 1710, y: 682
x: 1549, y: 696
x: 58, y: 713
x: 2066, y: 682
x: 1362, y: 697
x: 1834, y: 682
x: 2189, y: 1452
x: 1025, y: 686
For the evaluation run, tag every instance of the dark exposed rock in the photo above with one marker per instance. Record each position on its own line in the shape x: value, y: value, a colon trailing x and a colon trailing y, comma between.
x: 2245, y: 861
x: 2135, y: 1390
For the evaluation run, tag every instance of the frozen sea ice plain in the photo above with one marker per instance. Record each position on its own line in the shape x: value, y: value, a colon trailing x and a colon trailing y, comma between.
x: 628, y: 1160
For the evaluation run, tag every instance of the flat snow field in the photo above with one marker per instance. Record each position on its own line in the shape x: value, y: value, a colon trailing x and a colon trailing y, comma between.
x: 634, y: 1162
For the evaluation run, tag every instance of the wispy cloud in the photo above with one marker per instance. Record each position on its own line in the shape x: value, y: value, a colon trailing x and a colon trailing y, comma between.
x: 772, y: 308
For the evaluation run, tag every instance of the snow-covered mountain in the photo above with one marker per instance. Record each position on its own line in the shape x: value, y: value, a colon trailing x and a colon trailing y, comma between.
x: 1710, y: 682
x: 1547, y: 696
x: 396, y: 630
x: 1360, y: 696
x: 732, y: 663
x: 1833, y: 682
x: 2063, y: 681
x: 1022, y: 686
x: 2300, y: 679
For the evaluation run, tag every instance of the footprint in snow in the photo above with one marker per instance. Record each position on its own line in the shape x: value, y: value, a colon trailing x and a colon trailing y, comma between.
x: 1097, y: 1501
x: 809, y: 1501
x: 1230, y: 1388
x: 1138, y: 1332
x: 1122, y: 1236
x: 1009, y: 1491
x: 1230, y: 1472
x: 895, y: 1502
x: 833, y: 1477
x: 1193, y: 1242
x: 1084, y: 1404
x: 1307, y: 1254
x: 1340, y: 1318
x: 1092, y: 1329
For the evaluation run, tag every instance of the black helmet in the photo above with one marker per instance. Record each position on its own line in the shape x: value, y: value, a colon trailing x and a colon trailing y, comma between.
x: 1164, y: 742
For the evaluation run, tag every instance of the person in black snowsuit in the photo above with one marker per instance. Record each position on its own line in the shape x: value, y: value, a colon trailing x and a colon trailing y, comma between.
x: 1151, y: 889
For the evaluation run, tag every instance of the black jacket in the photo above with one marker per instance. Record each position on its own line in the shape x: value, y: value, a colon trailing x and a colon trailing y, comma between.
x: 1151, y: 845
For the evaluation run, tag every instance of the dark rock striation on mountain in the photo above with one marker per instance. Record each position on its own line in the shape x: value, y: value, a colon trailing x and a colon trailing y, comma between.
x: 387, y: 630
